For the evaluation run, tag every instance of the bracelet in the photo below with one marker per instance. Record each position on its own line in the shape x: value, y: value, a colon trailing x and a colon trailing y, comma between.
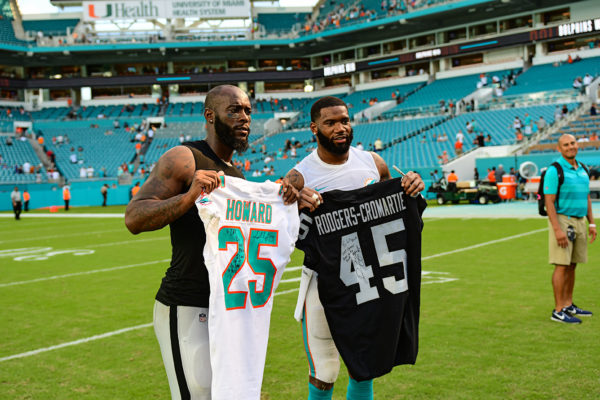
x: 592, y: 225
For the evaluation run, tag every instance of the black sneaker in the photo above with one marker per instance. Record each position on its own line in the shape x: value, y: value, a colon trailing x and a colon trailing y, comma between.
x: 564, y: 317
x: 574, y: 310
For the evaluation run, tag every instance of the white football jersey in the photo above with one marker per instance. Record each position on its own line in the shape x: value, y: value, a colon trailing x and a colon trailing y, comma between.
x: 358, y: 171
x: 250, y: 235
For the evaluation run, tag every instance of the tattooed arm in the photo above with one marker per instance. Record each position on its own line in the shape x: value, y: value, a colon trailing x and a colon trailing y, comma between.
x: 160, y: 200
x: 307, y: 197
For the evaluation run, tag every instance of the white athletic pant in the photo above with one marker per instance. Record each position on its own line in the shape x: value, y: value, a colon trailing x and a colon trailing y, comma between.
x: 182, y: 334
x: 323, y: 356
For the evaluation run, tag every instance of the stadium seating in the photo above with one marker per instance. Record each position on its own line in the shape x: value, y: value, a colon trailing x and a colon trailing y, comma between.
x: 428, y: 98
x: 17, y: 154
x: 281, y: 24
x: 548, y: 77
x: 51, y: 27
x: 99, y: 149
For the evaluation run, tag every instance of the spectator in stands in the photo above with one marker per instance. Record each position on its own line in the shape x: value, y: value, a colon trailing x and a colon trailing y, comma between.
x: 360, y: 146
x: 116, y: 124
x: 587, y: 79
x: 90, y: 171
x: 181, y: 138
x: 557, y: 114
x: 565, y: 110
x: 256, y: 173
x: 82, y: 172
x: 378, y: 145
x: 458, y: 147
x: 541, y: 123
x: 517, y: 123
x: 479, y: 140
x: 519, y: 136
x: 9, y: 141
x: 469, y: 127
x: 266, y: 169
x: 443, y: 158
x: 593, y: 111
x: 26, y: 167
x: 577, y: 83
x: 488, y: 138
x: 443, y: 137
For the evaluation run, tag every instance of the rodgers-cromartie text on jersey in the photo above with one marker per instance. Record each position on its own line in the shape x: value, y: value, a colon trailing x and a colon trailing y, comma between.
x: 368, y: 211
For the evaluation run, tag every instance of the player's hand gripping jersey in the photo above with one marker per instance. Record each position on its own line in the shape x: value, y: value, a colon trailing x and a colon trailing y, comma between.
x: 250, y: 235
x: 365, y: 245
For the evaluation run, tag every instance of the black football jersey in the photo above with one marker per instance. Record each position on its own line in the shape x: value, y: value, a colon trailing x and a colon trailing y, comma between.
x: 365, y: 245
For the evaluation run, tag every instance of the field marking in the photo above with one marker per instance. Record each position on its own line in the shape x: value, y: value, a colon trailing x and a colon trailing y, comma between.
x: 125, y: 241
x: 484, y: 244
x: 117, y: 332
x: 80, y: 215
x: 93, y: 271
x: 61, y: 236
x: 95, y: 337
x: 75, y: 342
x: 49, y: 225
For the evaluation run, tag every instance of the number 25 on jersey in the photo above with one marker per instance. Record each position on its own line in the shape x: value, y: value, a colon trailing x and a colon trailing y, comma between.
x: 247, y: 253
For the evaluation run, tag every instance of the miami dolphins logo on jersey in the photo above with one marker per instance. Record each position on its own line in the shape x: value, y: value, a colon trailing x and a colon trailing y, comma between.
x: 370, y: 182
x: 204, y: 201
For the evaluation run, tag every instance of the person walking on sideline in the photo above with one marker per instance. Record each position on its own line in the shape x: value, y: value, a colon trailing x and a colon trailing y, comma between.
x: 15, y: 198
x: 66, y: 195
x: 568, y: 235
x: 104, y: 192
x: 26, y: 198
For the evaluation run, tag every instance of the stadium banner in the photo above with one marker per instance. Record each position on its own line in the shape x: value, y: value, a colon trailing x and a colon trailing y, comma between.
x: 150, y: 9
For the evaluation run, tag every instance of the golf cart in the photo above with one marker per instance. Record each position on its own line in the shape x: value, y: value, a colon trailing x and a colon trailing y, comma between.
x: 480, y: 192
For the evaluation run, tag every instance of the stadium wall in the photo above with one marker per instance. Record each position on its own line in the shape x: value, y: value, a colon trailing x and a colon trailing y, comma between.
x: 82, y: 194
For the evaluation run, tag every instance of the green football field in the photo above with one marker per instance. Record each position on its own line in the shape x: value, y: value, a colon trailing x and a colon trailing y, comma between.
x: 76, y: 300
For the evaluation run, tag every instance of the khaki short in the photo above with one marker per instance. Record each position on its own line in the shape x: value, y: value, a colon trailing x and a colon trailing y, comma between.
x: 576, y: 251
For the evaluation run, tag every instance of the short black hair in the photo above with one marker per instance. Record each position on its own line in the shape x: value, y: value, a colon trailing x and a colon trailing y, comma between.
x: 214, y: 93
x: 328, y: 101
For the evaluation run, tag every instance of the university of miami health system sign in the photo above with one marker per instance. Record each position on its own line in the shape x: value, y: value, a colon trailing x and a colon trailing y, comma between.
x: 150, y: 9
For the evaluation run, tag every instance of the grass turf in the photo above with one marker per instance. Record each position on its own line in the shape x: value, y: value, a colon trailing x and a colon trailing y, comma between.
x: 486, y: 334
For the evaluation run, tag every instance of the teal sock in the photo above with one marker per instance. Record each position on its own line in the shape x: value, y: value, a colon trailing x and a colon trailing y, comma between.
x: 318, y: 394
x: 360, y: 390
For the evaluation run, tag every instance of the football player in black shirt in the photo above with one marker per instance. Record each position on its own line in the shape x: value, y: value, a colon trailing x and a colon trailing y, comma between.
x: 168, y: 198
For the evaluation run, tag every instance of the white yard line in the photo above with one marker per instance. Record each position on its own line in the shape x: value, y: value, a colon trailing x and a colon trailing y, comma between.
x: 92, y: 246
x: 61, y: 236
x: 484, y: 244
x: 61, y: 215
x: 95, y: 337
x: 93, y: 271
x: 124, y: 330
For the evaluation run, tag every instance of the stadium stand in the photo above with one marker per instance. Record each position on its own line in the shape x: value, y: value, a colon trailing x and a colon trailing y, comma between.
x: 13, y: 157
x: 50, y: 27
x: 555, y: 76
x: 93, y: 146
x: 281, y: 24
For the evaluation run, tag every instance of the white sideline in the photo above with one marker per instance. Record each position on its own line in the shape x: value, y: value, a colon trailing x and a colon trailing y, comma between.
x: 93, y: 271
x: 62, y: 235
x: 108, y: 334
